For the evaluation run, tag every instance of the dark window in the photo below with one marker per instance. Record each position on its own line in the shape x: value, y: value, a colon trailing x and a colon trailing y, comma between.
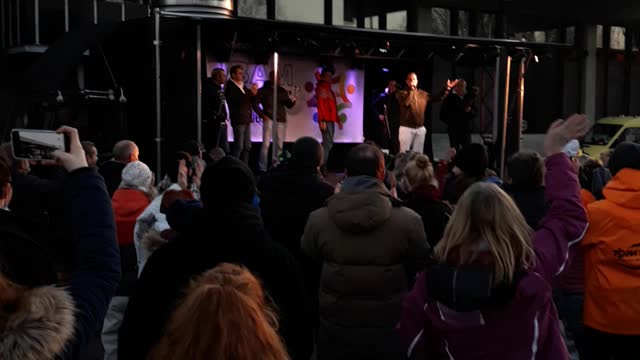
x: 601, y: 134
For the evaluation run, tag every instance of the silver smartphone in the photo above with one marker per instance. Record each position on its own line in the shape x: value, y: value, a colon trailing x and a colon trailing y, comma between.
x: 30, y: 144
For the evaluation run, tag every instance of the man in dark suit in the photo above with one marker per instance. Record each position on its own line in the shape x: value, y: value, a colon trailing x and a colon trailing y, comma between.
x: 458, y: 112
x: 239, y: 99
x: 215, y: 112
x: 386, y: 131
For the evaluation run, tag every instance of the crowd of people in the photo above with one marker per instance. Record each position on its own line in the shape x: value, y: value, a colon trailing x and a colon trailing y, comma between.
x: 411, y: 258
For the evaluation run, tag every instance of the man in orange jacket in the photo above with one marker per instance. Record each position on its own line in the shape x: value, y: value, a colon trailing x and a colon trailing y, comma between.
x: 612, y: 262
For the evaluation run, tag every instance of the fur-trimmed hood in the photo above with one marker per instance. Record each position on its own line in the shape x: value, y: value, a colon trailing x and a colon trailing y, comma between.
x: 41, y: 326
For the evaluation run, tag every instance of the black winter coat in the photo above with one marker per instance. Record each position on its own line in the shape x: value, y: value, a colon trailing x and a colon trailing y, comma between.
x: 90, y: 288
x: 111, y: 171
x: 531, y: 202
x: 434, y: 213
x: 233, y: 235
x: 454, y: 115
x: 287, y: 197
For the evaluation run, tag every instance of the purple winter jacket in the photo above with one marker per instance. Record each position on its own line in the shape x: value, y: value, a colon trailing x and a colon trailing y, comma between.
x: 527, y: 327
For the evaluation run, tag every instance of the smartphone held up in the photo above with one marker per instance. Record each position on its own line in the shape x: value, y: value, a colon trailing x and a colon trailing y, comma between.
x: 30, y: 144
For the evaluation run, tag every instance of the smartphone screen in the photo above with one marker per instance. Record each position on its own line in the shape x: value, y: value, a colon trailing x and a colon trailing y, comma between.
x: 37, y: 144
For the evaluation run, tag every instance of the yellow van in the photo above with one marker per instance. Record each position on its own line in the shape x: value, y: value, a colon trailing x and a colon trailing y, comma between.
x: 609, y: 132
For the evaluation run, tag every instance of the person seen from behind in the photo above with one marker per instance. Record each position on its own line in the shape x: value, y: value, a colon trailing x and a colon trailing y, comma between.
x: 569, y: 294
x: 470, y: 165
x: 134, y: 195
x: 369, y: 247
x: 124, y: 152
x: 224, y: 315
x: 152, y: 223
x: 526, y: 186
x: 424, y: 198
x: 612, y: 260
x: 41, y: 321
x: 227, y: 228
x: 489, y: 281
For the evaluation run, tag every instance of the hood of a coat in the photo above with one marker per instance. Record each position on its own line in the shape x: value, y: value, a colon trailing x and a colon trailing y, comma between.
x: 41, y: 327
x: 624, y: 189
x: 362, y: 205
x: 468, y: 287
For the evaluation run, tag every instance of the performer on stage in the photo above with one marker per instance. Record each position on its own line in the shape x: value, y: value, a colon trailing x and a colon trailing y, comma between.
x: 386, y: 129
x: 327, y: 109
x: 458, y: 112
x: 285, y: 101
x: 239, y: 99
x: 412, y: 104
x: 215, y: 113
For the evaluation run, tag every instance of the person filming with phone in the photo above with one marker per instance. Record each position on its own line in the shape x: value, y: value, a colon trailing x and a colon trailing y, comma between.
x: 42, y: 321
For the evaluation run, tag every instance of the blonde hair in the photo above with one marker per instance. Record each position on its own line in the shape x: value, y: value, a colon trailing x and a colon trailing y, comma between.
x: 419, y: 172
x: 224, y: 316
x: 486, y: 219
x: 400, y: 164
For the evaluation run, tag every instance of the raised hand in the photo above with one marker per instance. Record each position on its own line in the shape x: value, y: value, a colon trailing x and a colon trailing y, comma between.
x: 451, y: 154
x: 254, y: 89
x: 75, y: 158
x: 200, y: 165
x: 183, y: 174
x: 563, y: 131
x: 452, y: 83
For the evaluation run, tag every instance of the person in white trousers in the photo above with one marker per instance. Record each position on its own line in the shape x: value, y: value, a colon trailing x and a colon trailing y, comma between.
x: 412, y: 104
x: 285, y: 101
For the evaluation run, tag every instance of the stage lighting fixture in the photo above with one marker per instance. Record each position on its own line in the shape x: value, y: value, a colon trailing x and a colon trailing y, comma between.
x: 535, y: 57
x: 384, y: 69
x: 60, y: 98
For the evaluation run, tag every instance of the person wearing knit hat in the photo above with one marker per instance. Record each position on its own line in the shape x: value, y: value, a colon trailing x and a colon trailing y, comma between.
x: 626, y: 155
x: 131, y: 199
x: 137, y: 175
x: 611, y: 312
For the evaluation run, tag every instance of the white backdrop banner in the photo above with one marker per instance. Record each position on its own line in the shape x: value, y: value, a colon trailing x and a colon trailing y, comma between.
x: 298, y: 76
